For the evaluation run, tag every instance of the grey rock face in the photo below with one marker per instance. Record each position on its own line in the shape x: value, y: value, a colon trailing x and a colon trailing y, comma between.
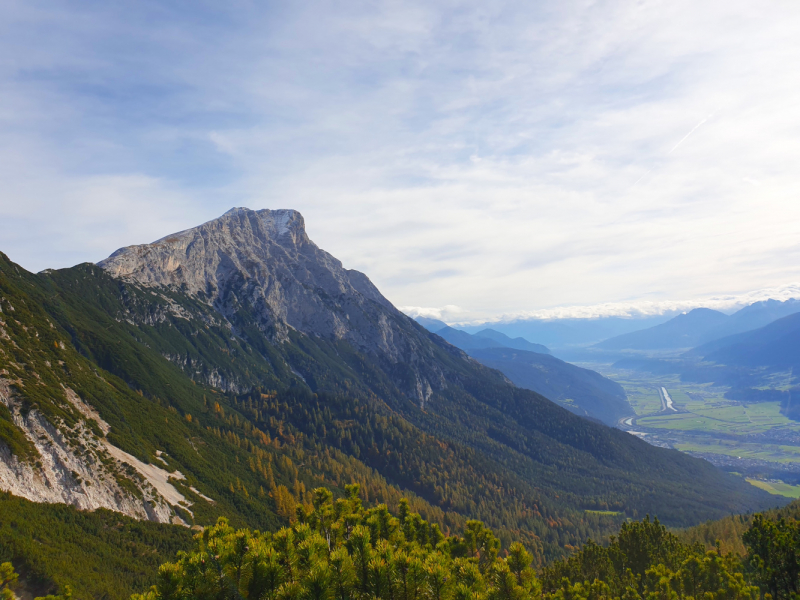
x: 84, y: 479
x: 260, y: 267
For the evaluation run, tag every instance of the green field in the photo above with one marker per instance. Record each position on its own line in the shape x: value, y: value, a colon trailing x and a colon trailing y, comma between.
x: 781, y: 454
x: 777, y: 487
x: 603, y: 512
x: 724, y: 416
x: 700, y: 407
x: 708, y: 424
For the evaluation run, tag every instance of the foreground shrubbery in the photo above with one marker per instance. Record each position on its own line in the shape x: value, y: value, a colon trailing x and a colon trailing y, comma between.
x: 338, y: 550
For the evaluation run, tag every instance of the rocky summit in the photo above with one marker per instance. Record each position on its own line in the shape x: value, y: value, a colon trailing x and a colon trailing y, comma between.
x: 261, y: 267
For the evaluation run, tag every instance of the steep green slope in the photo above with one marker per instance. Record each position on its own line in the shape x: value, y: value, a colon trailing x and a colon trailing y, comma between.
x: 520, y: 434
x: 311, y: 411
x: 580, y: 390
x: 588, y: 465
x: 473, y: 483
x: 99, y: 554
x: 253, y: 479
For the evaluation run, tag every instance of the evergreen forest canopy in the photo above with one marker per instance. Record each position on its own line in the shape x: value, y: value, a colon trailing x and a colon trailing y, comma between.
x: 248, y: 425
x: 480, y: 448
x: 340, y: 550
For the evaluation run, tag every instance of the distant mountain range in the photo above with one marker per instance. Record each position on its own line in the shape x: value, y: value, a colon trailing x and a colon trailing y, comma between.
x: 487, y: 338
x: 741, y: 350
x: 700, y: 326
x: 776, y: 346
x: 684, y: 331
x: 757, y: 361
x: 557, y: 334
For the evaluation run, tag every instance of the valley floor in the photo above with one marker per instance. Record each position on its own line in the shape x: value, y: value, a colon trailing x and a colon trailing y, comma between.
x: 752, y: 439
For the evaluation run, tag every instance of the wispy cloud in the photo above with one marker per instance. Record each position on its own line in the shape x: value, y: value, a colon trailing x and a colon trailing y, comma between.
x: 471, y: 154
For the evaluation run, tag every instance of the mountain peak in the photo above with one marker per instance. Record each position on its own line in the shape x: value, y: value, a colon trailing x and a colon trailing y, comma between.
x: 186, y: 257
x: 260, y: 267
x: 243, y: 248
x: 268, y: 223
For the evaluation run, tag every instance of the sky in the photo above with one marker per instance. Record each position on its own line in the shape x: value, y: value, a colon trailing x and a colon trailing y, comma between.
x: 474, y: 159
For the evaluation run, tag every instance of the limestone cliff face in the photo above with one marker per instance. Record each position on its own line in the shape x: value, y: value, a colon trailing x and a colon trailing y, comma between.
x: 260, y: 267
x: 76, y: 467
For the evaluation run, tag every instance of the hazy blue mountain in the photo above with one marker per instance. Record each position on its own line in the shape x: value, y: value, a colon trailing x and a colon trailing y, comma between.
x: 518, y: 343
x: 700, y: 326
x: 684, y: 331
x: 744, y: 361
x: 754, y: 316
x: 558, y: 333
x: 776, y: 346
x: 487, y: 338
x: 580, y: 390
x: 466, y: 341
x: 432, y: 325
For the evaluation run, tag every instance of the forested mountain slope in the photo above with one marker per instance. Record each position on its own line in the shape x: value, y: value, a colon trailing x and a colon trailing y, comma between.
x: 285, y: 371
x: 580, y: 390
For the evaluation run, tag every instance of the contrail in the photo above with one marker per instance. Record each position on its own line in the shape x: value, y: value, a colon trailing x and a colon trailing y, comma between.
x: 690, y: 133
x: 642, y: 177
x: 675, y: 147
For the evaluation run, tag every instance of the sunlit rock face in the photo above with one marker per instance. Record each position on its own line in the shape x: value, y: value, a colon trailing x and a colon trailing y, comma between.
x: 75, y: 466
x: 260, y: 268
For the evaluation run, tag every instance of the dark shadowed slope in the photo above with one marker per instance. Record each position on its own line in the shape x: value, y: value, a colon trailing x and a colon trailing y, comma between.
x: 582, y: 391
x: 776, y: 346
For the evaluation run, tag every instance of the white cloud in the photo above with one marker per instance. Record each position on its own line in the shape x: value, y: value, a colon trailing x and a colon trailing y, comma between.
x: 448, y: 313
x: 455, y: 315
x: 506, y: 157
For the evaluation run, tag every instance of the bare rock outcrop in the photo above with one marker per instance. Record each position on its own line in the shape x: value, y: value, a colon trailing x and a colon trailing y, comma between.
x: 78, y: 468
x: 260, y: 267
